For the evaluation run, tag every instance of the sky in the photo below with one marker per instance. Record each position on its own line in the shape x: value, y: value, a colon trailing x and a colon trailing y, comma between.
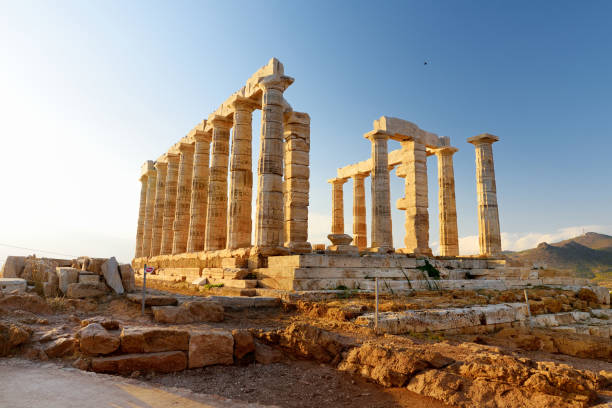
x: 89, y: 90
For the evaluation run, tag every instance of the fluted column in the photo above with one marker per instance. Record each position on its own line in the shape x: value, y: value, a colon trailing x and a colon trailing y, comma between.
x: 240, y: 223
x: 149, y: 212
x: 382, y: 238
x: 158, y: 215
x: 141, y: 215
x: 295, y: 189
x: 489, y: 235
x: 216, y: 219
x: 269, y: 217
x: 360, y: 238
x: 199, y: 192
x: 183, y: 199
x: 447, y: 209
x: 415, y: 202
x: 170, y: 203
x: 337, y: 226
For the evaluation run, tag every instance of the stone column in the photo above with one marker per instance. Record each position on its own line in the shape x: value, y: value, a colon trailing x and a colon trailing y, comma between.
x: 199, y: 192
x: 382, y: 238
x: 337, y: 226
x: 149, y: 212
x: 269, y: 217
x: 360, y: 238
x: 241, y: 176
x: 183, y: 199
x: 489, y: 235
x: 169, y: 203
x: 216, y: 219
x: 295, y: 189
x: 158, y: 215
x: 415, y: 203
x: 141, y: 215
x: 447, y: 209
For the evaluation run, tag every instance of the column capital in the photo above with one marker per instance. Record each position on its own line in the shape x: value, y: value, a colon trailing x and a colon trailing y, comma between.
x: 219, y: 122
x: 281, y: 82
x: 172, y: 158
x: 377, y: 135
x: 337, y: 181
x: 484, y: 138
x: 445, y: 151
x: 202, y: 136
x: 186, y: 147
x: 238, y: 102
x: 161, y: 164
x: 147, y: 167
x: 359, y: 176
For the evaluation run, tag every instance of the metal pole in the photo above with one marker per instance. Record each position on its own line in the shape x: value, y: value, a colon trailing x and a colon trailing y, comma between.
x: 528, y: 308
x: 376, y: 295
x: 144, y: 287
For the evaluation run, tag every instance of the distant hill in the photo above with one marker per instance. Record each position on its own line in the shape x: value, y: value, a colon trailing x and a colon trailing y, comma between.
x: 588, y: 255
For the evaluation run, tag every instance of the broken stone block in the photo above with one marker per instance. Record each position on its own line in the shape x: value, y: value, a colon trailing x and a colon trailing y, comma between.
x: 50, y: 289
x: 60, y: 347
x: 110, y: 270
x: 83, y: 290
x: 10, y: 284
x: 244, y: 346
x: 95, y: 339
x: 127, y: 277
x: 66, y: 277
x: 151, y: 340
x: 153, y: 300
x: 89, y: 278
x: 13, y: 267
x: 189, y: 312
x: 163, y: 362
x: 11, y: 336
x: 210, y: 347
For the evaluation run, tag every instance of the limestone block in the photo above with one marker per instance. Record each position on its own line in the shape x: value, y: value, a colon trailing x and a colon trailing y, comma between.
x: 89, y: 278
x: 95, y: 339
x: 60, y: 347
x: 210, y: 347
x: 84, y: 290
x: 164, y: 362
x: 296, y: 144
x: 189, y: 312
x: 66, y: 277
x: 296, y: 185
x: 295, y: 157
x: 244, y: 346
x: 10, y: 284
x: 153, y: 339
x: 110, y: 270
x: 297, y: 171
x: 50, y: 289
x: 13, y: 267
x: 127, y: 277
x: 153, y: 300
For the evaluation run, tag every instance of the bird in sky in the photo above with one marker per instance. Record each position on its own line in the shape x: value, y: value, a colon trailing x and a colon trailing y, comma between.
x: 426, y: 63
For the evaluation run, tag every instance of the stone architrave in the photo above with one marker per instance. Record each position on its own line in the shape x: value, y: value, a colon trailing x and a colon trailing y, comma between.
x: 158, y: 214
x: 415, y: 203
x: 169, y: 203
x: 295, y: 189
x: 183, y: 199
x: 141, y: 215
x: 337, y: 227
x: 216, y: 219
x: 147, y: 236
x: 489, y: 236
x: 360, y: 237
x: 199, y: 192
x: 449, y: 236
x: 382, y: 238
x: 241, y: 176
x: 269, y: 217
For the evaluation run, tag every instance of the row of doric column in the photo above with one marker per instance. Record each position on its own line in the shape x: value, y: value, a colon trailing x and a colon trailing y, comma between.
x: 413, y: 168
x: 184, y: 204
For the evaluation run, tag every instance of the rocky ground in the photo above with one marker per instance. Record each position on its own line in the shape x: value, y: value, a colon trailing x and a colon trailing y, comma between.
x: 311, y: 353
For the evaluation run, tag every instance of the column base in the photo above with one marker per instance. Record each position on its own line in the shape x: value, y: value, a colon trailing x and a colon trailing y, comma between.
x: 415, y: 251
x: 299, y: 247
x: 270, y: 251
x: 380, y: 250
x: 343, y: 249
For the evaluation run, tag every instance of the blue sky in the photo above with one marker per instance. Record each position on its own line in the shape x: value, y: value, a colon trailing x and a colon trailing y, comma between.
x: 90, y: 90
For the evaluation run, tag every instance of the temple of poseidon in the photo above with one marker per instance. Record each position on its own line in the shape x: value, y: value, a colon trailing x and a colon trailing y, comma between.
x: 195, y: 224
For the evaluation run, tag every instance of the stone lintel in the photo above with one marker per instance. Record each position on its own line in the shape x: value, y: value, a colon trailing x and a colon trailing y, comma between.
x: 337, y: 180
x: 377, y: 134
x: 483, y: 138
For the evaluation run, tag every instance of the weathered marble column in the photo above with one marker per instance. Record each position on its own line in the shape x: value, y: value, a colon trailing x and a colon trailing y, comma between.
x: 158, y: 214
x: 415, y: 202
x: 269, y: 217
x: 297, y: 174
x: 199, y: 192
x: 241, y: 176
x: 337, y: 226
x: 489, y: 235
x: 382, y: 238
x: 141, y: 214
x: 169, y: 203
x: 149, y: 211
x: 447, y: 209
x: 360, y: 228
x: 216, y: 219
x: 183, y: 199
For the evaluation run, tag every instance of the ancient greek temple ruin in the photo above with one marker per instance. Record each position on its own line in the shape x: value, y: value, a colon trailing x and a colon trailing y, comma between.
x: 410, y: 162
x: 195, y: 223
